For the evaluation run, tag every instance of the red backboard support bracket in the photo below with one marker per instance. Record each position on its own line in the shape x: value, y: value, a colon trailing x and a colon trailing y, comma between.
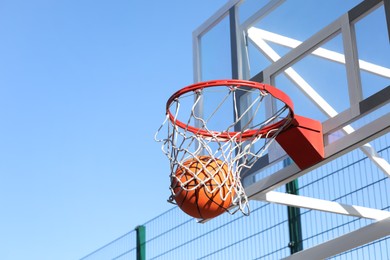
x: 303, y: 141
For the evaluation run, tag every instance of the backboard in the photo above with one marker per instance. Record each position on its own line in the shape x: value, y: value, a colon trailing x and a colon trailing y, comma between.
x: 332, y: 58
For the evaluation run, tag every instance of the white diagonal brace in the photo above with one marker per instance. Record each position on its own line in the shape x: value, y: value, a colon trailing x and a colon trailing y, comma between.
x: 321, y: 205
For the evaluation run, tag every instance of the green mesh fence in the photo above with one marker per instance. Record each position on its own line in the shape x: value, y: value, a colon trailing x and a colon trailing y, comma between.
x: 350, y: 179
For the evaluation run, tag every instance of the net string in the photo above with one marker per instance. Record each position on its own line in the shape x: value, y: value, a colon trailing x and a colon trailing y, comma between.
x: 180, y: 145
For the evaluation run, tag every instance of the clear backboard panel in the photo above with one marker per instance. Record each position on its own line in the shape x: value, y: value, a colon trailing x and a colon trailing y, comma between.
x: 331, y: 58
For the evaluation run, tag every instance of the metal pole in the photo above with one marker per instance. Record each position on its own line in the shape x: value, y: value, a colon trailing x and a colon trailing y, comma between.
x: 141, y: 242
x: 294, y: 216
x: 234, y: 44
x: 386, y: 4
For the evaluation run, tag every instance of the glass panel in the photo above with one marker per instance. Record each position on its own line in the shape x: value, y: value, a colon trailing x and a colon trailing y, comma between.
x: 216, y: 53
x: 297, y: 20
x: 373, y: 47
x: 257, y: 60
x: 300, y: 19
x: 322, y: 74
x: 249, y: 7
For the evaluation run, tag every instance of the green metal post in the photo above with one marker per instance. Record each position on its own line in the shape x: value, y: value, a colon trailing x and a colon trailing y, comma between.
x: 294, y: 217
x: 141, y: 242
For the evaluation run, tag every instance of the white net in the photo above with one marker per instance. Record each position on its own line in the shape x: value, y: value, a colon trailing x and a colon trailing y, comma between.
x: 200, y: 124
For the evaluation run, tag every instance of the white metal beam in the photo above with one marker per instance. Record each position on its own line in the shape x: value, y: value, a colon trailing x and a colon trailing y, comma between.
x: 355, y: 90
x: 345, y: 242
x: 321, y: 205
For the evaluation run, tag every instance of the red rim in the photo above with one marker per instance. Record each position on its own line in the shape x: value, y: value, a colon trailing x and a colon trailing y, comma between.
x: 276, y: 93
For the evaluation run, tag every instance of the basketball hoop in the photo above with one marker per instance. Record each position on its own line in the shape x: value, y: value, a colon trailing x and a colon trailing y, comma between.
x: 197, y: 127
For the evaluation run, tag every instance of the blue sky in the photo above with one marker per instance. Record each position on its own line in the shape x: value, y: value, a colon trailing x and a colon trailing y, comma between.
x: 83, y: 85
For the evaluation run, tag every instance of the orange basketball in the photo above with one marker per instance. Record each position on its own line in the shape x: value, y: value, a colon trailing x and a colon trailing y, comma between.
x: 207, y: 200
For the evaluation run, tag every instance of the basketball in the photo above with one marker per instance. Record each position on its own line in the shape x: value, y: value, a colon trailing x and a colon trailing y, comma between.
x: 203, y: 187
